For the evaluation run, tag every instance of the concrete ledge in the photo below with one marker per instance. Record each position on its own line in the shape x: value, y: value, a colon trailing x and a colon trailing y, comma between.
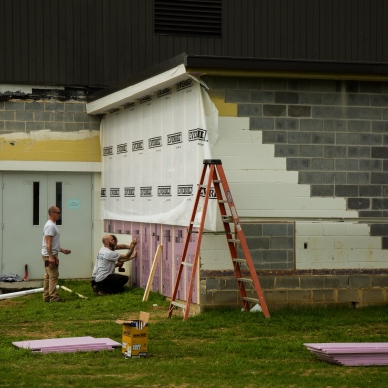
x: 20, y: 286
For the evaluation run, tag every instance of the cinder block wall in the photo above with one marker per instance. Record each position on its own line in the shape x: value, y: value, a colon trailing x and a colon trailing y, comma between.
x: 304, y: 148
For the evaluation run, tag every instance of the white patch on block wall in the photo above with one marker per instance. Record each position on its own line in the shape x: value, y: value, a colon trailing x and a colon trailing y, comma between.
x: 262, y: 187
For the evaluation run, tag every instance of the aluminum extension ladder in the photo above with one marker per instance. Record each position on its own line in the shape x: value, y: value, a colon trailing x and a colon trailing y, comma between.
x: 217, y: 177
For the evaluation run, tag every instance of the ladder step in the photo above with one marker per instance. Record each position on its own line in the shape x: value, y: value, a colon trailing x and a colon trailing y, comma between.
x: 245, y: 280
x: 222, y: 201
x: 187, y: 264
x: 234, y: 240
x: 216, y: 181
x: 237, y: 260
x: 181, y: 305
x: 251, y: 299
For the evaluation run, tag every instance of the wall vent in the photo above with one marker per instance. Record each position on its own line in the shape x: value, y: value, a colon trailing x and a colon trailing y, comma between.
x: 188, y: 17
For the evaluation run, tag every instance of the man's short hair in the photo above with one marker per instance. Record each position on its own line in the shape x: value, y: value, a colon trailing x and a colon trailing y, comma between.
x: 51, y: 210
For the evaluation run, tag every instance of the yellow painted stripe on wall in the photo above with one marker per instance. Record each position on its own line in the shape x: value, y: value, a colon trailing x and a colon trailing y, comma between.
x: 77, y: 150
x: 224, y: 108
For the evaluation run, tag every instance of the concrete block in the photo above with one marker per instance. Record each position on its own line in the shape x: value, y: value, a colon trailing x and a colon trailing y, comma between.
x: 7, y: 115
x: 371, y: 139
x: 285, y: 150
x: 334, y: 151
x: 15, y: 126
x: 311, y: 124
x: 298, y: 164
x: 281, y: 243
x: 21, y: 115
x: 357, y: 99
x: 73, y: 127
x: 14, y: 105
x: 306, y: 177
x: 360, y: 281
x: 358, y: 203
x: 380, y: 281
x: 359, y: 152
x: 63, y: 116
x: 322, y: 190
x: 347, y: 138
x: 334, y: 178
x: 299, y: 84
x: 261, y: 123
x: 299, y: 111
x: 75, y: 107
x: 274, y: 136
x: 2, y: 105
x: 300, y: 296
x: 267, y: 282
x: 322, y: 296
x: 346, y: 191
x: 310, y: 98
x: 323, y: 138
x: 337, y: 281
x: 212, y: 284
x: 225, y: 297
x: 54, y: 106
x: 286, y: 97
x: 379, y: 203
x: 54, y: 126
x: 322, y: 112
x: 373, y: 296
x: 274, y: 83
x: 379, y: 100
x: 323, y: 85
x: 379, y: 178
x: 346, y: 164
x: 2, y: 125
x: 335, y: 125
x: 311, y: 150
x: 370, y: 87
x: 370, y: 113
x: 286, y: 124
x: 43, y: 116
x: 237, y: 96
x: 312, y: 282
x: 290, y: 282
x: 91, y: 126
x: 333, y: 99
x: 262, y: 97
x: 274, y: 110
x: 322, y: 164
x: 348, y: 296
x: 379, y: 152
x: 380, y: 126
x: 223, y: 82
x: 252, y: 229
x: 275, y: 229
x: 346, y: 113
x: 370, y: 165
x: 299, y: 137
x: 231, y: 284
x: 358, y: 178
x: 369, y: 191
x: 254, y: 83
x: 359, y: 126
x: 276, y: 296
x: 273, y: 256
x: 33, y: 106
x: 206, y: 298
x: 81, y: 117
x: 258, y: 242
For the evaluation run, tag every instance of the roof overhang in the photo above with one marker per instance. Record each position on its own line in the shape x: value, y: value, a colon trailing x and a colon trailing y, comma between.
x: 185, y: 65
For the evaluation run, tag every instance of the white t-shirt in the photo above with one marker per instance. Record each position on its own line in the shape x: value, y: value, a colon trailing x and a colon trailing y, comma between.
x: 105, y: 264
x: 50, y: 229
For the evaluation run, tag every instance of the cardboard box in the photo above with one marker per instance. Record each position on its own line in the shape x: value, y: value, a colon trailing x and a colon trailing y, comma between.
x: 135, y: 336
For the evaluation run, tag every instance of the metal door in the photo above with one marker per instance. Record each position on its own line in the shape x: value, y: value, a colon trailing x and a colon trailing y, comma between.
x: 26, y: 199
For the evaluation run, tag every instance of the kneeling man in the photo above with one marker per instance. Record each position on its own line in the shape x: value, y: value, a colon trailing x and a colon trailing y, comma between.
x: 104, y: 279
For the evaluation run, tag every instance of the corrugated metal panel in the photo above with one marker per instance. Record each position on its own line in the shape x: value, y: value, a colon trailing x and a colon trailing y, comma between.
x: 188, y: 17
x: 100, y: 42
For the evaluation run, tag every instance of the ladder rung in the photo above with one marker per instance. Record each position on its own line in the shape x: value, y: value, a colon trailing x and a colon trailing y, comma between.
x: 216, y: 181
x: 181, y: 305
x: 237, y: 260
x: 187, y: 264
x: 222, y: 201
x: 251, y: 299
x: 245, y: 280
x: 234, y: 240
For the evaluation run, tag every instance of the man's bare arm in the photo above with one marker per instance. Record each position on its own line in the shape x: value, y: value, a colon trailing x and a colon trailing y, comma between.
x: 131, y: 254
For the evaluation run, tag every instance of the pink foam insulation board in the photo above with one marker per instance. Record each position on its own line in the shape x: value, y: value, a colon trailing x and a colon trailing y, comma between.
x: 167, y: 275
x: 179, y: 242
x: 71, y: 344
x: 156, y: 239
x: 145, y: 253
x: 352, y: 353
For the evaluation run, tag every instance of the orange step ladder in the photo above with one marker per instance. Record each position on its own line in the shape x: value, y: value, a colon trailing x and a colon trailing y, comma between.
x: 217, y: 177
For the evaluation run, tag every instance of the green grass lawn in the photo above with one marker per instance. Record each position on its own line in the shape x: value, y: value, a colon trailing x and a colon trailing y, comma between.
x: 223, y: 348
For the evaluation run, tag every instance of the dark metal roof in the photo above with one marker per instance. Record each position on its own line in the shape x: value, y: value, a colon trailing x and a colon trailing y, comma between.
x: 210, y: 63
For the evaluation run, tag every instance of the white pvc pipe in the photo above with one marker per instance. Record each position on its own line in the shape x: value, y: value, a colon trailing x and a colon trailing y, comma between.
x: 21, y: 293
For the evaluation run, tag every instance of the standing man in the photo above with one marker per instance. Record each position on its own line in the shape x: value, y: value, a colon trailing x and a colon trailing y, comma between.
x: 51, y: 246
x: 104, y: 280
